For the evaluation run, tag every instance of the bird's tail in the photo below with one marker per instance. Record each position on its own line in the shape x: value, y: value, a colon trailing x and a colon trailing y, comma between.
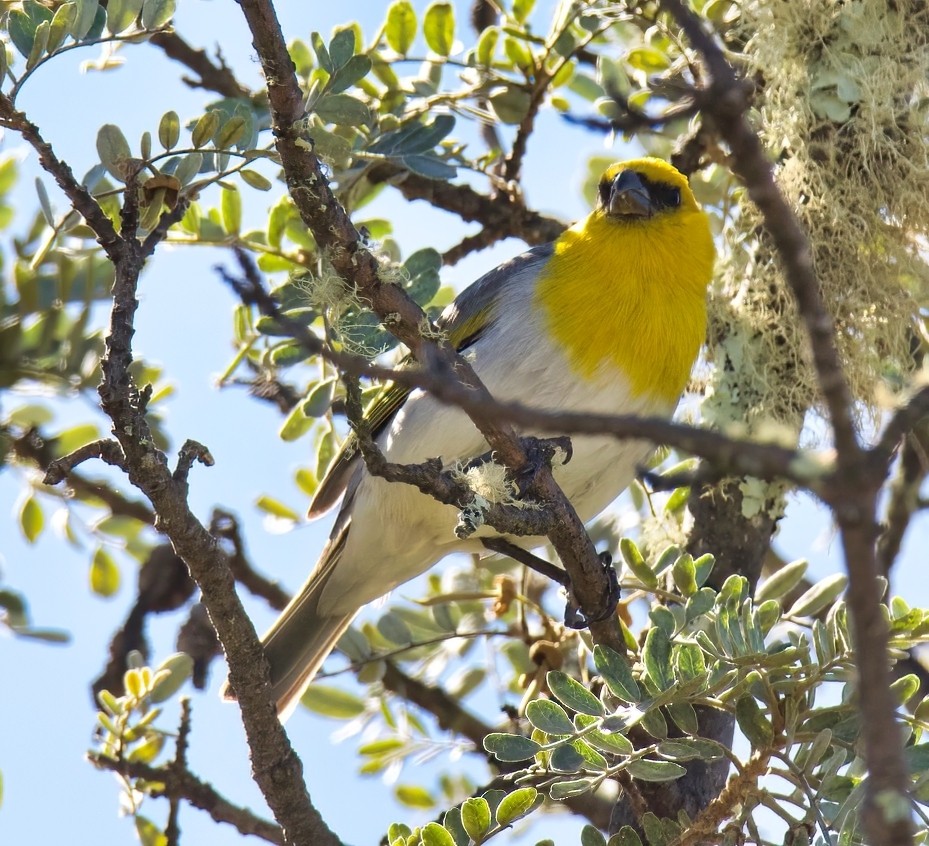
x: 301, y: 638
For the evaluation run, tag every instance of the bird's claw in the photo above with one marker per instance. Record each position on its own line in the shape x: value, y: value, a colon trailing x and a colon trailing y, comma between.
x: 575, y: 618
x: 541, y: 452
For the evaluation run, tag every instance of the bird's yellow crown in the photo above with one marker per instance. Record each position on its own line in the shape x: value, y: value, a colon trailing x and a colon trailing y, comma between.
x: 626, y: 286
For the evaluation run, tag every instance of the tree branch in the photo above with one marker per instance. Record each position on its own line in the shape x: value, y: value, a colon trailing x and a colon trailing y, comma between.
x: 725, y: 101
x: 181, y: 783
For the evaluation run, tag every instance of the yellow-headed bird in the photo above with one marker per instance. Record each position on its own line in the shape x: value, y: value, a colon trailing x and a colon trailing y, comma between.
x: 609, y: 318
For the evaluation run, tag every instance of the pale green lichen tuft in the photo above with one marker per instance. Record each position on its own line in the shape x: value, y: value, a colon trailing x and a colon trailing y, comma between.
x: 843, y: 113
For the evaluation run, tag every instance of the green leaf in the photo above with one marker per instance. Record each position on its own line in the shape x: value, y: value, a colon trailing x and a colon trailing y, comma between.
x: 685, y: 574
x: 522, y: 9
x: 394, y: 629
x: 648, y: 59
x: 188, y: 167
x: 685, y: 717
x: 319, y: 399
x: 231, y: 206
x: 400, y: 29
x: 423, y: 269
x: 439, y: 28
x: 113, y: 149
x: 510, y: 748
x: 636, y: 563
x: 646, y: 770
x: 434, y: 834
x: 205, y: 128
x: 86, y: 14
x: 823, y: 593
x: 591, y: 836
x: 656, y: 655
x: 22, y: 31
x: 511, y: 104
x: 516, y: 805
x: 122, y: 14
x: 332, y: 702
x: 549, y: 717
x: 475, y: 817
x: 39, y: 45
x: 60, y: 27
x: 322, y: 54
x: 15, y: 607
x: 486, y: 45
x: 689, y: 662
x: 626, y: 836
x: 567, y: 759
x: 31, y: 519
x: 157, y: 13
x: 572, y: 694
x: 414, y: 796
x: 342, y: 48
x: 616, y: 673
x: 232, y: 131
x: 782, y: 582
x: 342, y: 110
x: 703, y: 566
x: 356, y: 69
x: 177, y: 668
x: 571, y: 787
x: 104, y: 574
x: 276, y: 508
x: 148, y: 833
x: 753, y: 722
x: 255, y: 180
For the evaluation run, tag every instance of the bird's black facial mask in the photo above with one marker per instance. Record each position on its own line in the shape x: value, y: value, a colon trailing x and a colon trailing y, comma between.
x: 631, y: 195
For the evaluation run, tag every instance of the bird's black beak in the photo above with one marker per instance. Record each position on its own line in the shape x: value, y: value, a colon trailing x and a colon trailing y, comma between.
x: 629, y: 196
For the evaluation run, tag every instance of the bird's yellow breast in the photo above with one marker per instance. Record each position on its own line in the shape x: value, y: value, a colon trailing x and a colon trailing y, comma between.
x: 631, y: 296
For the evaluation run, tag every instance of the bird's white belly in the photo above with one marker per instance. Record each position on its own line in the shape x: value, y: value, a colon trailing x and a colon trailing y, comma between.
x: 406, y: 531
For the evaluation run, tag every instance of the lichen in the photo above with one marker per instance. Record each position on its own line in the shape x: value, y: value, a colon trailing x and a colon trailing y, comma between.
x: 842, y: 112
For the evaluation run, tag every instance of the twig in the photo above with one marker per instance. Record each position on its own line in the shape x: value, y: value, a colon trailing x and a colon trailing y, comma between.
x: 224, y: 524
x: 178, y: 765
x: 218, y: 78
x: 189, y: 453
x: 199, y: 794
x: 502, y: 213
x: 105, y: 449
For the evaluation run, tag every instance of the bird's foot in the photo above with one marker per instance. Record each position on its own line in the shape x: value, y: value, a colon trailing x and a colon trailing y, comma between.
x: 541, y: 452
x: 575, y: 618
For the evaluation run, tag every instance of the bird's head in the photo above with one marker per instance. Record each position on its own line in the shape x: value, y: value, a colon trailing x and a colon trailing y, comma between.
x: 641, y: 189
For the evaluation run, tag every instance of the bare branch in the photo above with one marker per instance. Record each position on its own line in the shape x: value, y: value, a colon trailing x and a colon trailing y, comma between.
x: 213, y: 77
x: 183, y: 784
x: 105, y: 449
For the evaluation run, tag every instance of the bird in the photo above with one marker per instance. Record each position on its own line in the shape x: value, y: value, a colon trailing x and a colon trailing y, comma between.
x: 609, y: 318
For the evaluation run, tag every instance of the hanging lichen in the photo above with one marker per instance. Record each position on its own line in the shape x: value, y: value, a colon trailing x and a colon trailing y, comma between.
x: 842, y: 110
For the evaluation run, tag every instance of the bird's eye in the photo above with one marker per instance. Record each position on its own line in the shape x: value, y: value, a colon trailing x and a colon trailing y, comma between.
x: 604, y: 190
x: 666, y: 197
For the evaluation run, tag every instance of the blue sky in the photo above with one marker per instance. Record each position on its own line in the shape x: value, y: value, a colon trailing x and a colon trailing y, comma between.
x: 184, y: 324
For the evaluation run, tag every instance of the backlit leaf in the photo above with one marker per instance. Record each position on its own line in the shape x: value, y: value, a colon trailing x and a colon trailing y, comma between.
x: 439, y: 28
x: 104, y: 574
x: 516, y: 805
x: 31, y: 518
x: 400, y: 30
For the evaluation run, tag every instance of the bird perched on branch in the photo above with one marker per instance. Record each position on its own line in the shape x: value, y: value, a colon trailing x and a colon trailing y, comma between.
x: 608, y: 319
